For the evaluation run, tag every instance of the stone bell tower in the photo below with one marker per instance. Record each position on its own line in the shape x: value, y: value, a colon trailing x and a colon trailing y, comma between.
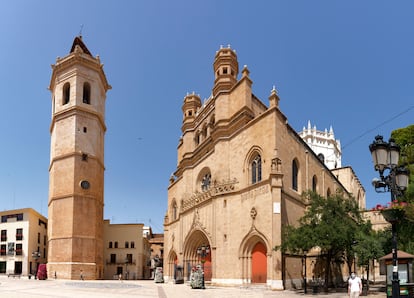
x: 76, y: 172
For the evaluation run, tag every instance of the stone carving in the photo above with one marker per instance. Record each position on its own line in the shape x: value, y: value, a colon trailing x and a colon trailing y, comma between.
x: 217, y: 188
x: 253, y: 213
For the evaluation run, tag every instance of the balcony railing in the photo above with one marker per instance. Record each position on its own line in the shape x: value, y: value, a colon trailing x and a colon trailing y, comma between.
x: 108, y: 262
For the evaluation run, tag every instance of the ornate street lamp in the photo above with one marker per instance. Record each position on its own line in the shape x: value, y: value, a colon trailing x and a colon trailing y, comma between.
x: 385, y: 157
x: 203, y: 251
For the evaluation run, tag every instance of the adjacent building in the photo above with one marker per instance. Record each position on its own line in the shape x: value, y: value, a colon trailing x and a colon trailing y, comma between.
x: 328, y: 149
x: 126, y: 251
x: 240, y: 176
x: 23, y: 243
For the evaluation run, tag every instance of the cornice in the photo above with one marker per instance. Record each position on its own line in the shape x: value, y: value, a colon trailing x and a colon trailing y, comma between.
x: 76, y: 110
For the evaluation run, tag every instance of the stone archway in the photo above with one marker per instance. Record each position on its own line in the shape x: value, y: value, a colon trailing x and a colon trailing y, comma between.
x: 194, y: 240
x: 172, y: 263
x: 253, y: 254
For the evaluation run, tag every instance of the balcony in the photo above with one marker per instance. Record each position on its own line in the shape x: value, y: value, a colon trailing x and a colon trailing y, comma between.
x: 108, y: 262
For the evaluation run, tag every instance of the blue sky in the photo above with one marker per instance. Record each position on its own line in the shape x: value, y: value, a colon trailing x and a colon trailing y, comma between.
x: 349, y: 64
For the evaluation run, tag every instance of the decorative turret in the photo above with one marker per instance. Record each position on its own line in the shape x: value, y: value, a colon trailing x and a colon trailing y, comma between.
x: 273, y: 98
x: 226, y: 69
x: 192, y: 103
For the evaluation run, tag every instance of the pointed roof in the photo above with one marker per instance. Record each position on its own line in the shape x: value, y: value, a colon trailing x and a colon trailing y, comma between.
x: 78, y: 42
x: 400, y: 255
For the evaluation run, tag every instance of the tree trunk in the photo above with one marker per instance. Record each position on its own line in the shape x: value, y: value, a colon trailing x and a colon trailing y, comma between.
x: 327, y: 271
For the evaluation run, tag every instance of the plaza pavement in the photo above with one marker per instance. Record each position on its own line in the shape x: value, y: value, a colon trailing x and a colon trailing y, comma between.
x: 25, y: 288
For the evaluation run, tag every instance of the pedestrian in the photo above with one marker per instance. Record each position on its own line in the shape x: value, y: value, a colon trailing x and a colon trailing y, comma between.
x: 354, y: 286
x: 81, y: 274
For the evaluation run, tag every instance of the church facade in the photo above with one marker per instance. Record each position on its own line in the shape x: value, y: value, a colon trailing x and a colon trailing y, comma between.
x: 240, y: 174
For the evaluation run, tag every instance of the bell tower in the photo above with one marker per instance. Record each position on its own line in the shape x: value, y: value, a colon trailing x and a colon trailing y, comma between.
x: 76, y: 172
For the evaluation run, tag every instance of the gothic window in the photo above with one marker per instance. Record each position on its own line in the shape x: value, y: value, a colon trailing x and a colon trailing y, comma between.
x: 295, y: 173
x: 86, y: 93
x: 314, y: 183
x: 66, y: 93
x: 174, y: 211
x: 256, y: 169
x: 205, y: 182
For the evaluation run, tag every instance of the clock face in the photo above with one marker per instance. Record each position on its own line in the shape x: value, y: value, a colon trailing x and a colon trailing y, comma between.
x: 85, y: 184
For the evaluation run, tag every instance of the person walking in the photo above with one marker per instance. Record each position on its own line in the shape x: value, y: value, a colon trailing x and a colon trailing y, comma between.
x: 354, y: 286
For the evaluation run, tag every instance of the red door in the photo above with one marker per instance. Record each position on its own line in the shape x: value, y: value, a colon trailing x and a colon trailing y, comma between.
x: 207, y: 268
x: 259, y: 263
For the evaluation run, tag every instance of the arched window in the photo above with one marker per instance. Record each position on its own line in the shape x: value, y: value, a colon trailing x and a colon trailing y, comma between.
x: 126, y: 244
x: 110, y: 244
x: 314, y: 183
x: 86, y: 93
x: 197, y: 138
x: 321, y: 157
x: 132, y: 244
x: 256, y: 167
x: 328, y: 192
x: 295, y: 172
x: 174, y: 211
x: 66, y: 93
x: 205, y: 182
x: 116, y: 244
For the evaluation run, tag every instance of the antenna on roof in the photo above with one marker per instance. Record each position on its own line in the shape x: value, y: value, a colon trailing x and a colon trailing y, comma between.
x: 80, y: 31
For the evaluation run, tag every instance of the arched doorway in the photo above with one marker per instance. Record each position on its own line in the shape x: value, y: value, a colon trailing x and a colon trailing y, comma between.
x: 172, y: 264
x: 259, y: 263
x: 198, y: 251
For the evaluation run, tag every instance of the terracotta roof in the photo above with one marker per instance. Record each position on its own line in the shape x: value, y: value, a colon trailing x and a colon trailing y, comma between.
x: 78, y: 41
x: 400, y: 255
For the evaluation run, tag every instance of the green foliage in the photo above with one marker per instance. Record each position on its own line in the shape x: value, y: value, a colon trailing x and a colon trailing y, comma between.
x: 369, y: 246
x: 405, y: 138
x: 331, y: 223
x: 328, y: 223
x: 405, y: 229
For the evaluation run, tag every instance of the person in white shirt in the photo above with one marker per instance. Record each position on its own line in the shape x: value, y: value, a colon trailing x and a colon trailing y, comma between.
x: 354, y: 286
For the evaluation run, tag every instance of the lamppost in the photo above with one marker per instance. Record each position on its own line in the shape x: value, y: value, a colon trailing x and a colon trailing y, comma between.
x: 385, y: 157
x: 305, y: 252
x: 36, y: 256
x: 203, y: 251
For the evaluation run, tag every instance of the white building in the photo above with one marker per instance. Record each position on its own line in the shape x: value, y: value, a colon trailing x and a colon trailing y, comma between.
x: 324, y: 145
x: 23, y: 241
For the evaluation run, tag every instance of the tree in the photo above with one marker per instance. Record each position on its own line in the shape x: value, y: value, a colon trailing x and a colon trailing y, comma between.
x: 328, y: 223
x: 368, y: 247
x: 404, y: 137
